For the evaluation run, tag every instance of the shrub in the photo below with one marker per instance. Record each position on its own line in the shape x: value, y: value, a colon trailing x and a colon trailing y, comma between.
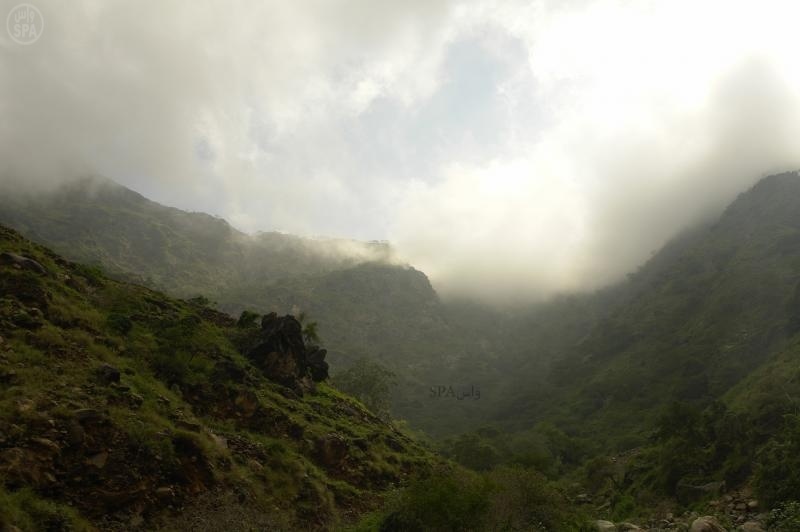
x: 119, y: 323
x: 25, y: 510
x: 370, y: 383
x: 785, y: 517
x: 523, y: 499
x: 93, y: 274
x: 453, y: 501
x: 777, y: 475
x: 247, y: 319
x: 472, y: 451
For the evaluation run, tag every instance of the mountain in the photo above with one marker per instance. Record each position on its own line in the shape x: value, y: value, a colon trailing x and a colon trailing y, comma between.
x: 96, y: 221
x: 701, y: 315
x: 121, y: 409
x: 124, y: 409
x: 676, y: 386
x: 665, y: 390
x: 366, y: 304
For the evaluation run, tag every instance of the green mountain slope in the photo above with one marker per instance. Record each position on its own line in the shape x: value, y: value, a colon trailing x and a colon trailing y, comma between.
x: 366, y: 305
x: 123, y: 409
x: 696, y: 320
x: 99, y: 222
x: 680, y: 383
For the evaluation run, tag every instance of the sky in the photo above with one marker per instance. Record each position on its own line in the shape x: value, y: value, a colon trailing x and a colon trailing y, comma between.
x: 505, y: 148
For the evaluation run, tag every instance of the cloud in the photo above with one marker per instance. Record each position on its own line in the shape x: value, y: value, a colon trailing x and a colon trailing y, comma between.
x: 655, y: 117
x: 512, y: 149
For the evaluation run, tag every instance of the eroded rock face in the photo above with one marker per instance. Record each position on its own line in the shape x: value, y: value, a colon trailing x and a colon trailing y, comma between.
x: 282, y: 354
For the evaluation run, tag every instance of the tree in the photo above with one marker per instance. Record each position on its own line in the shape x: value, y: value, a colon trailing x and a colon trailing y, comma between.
x: 247, y: 319
x: 310, y: 329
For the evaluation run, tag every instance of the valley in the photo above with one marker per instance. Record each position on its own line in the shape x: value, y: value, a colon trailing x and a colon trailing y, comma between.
x: 673, y: 391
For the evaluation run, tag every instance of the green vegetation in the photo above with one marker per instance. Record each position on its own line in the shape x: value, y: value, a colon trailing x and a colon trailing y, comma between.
x: 119, y: 403
x: 370, y: 382
x: 662, y: 392
x: 785, y: 518
x: 508, y: 498
x: 28, y: 511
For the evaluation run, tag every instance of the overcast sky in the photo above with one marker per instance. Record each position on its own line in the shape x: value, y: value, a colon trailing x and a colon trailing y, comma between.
x: 503, y: 147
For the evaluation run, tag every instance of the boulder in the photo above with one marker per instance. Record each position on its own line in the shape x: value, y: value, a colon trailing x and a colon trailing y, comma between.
x: 331, y: 450
x: 108, y: 374
x: 98, y: 460
x: 751, y: 526
x: 21, y: 262
x: 165, y: 492
x: 706, y: 524
x: 88, y: 415
x: 604, y: 526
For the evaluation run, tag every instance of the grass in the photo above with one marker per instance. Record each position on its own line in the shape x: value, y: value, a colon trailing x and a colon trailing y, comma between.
x: 166, y: 354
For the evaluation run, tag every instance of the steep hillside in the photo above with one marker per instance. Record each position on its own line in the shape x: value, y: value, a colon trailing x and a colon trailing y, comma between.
x: 365, y: 305
x: 695, y: 321
x: 121, y: 408
x: 677, y: 386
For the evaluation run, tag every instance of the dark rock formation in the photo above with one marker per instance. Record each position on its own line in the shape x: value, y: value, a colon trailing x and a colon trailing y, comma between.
x: 18, y: 261
x: 282, y: 355
x: 315, y: 357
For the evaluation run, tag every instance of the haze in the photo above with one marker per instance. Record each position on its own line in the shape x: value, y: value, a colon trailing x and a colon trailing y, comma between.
x: 511, y: 148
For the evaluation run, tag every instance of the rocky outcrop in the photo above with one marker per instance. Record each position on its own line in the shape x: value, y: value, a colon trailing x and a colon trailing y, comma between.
x: 21, y: 262
x: 282, y: 355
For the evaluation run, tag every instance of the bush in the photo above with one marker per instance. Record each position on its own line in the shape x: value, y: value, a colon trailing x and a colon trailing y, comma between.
x: 119, y: 323
x: 777, y: 477
x: 247, y: 319
x: 785, y: 517
x: 25, y: 510
x: 93, y: 274
x: 370, y: 383
x: 454, y: 501
x: 171, y: 368
x: 472, y: 451
x: 523, y: 499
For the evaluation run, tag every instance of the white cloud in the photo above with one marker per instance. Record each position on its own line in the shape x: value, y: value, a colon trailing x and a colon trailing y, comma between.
x: 512, y: 148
